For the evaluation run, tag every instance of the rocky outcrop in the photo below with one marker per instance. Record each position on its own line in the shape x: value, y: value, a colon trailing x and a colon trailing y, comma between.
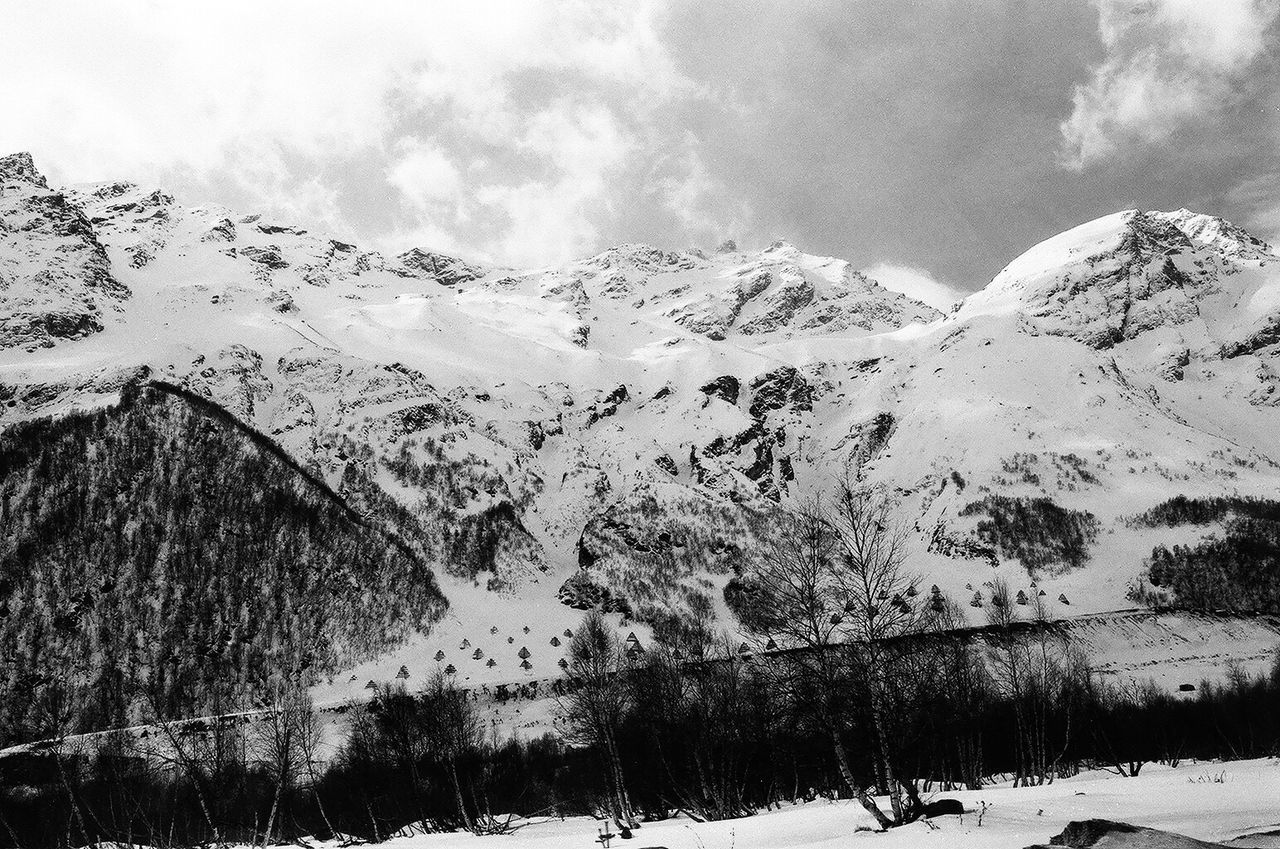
x: 233, y: 379
x: 1086, y: 834
x: 1263, y: 333
x: 56, y: 281
x: 437, y: 267
x: 20, y: 168
x: 867, y: 439
x: 792, y: 294
x: 725, y: 387
x: 607, y: 406
x: 267, y: 256
x: 783, y: 292
x: 778, y: 400
x: 645, y: 258
x: 784, y: 387
x: 223, y: 231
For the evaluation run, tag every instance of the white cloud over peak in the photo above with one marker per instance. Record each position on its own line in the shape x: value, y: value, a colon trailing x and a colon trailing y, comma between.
x: 423, y: 172
x: 915, y: 283
x: 1168, y: 62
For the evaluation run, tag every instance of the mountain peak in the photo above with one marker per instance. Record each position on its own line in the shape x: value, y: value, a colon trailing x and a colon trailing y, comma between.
x: 1120, y: 275
x: 1217, y: 233
x: 20, y: 167
x: 642, y: 257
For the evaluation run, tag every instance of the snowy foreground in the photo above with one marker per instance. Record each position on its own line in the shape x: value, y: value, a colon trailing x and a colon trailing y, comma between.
x: 1218, y: 802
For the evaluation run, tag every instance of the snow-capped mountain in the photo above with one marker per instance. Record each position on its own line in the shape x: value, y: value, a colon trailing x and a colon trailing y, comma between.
x: 618, y: 430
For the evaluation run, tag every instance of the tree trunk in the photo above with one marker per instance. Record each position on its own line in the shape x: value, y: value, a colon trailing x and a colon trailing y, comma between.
x: 275, y: 806
x: 624, y: 798
x: 892, y: 786
x: 859, y: 793
x: 457, y: 795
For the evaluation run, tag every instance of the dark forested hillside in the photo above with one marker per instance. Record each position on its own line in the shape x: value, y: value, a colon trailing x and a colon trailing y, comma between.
x: 158, y: 558
x: 1233, y: 568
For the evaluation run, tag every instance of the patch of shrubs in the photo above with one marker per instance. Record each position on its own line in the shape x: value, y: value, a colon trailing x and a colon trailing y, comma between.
x: 1181, y: 510
x: 1038, y: 532
x: 1235, y: 570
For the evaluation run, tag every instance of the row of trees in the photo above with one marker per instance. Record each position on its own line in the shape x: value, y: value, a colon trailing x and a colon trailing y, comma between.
x: 709, y: 740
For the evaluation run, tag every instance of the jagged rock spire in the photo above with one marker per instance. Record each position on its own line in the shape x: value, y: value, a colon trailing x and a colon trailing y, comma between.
x: 20, y: 167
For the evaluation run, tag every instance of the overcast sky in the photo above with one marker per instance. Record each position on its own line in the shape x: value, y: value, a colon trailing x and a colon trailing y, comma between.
x: 932, y: 141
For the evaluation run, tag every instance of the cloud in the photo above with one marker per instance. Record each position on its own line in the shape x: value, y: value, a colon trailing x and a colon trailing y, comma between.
x: 424, y: 173
x: 527, y: 133
x: 554, y: 218
x: 1167, y: 63
x: 915, y: 283
x: 497, y: 125
x: 1260, y: 198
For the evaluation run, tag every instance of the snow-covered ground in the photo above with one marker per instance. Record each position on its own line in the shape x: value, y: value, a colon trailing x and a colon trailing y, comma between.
x: 1205, y: 800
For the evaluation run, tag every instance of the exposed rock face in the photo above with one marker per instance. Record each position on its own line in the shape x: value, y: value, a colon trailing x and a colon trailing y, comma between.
x: 757, y: 454
x: 645, y: 258
x: 775, y: 390
x: 867, y: 439
x: 607, y: 406
x: 445, y: 270
x: 1085, y: 834
x: 725, y: 387
x: 1209, y: 231
x: 55, y: 277
x: 267, y: 256
x: 1263, y: 333
x: 234, y: 379
x: 20, y: 168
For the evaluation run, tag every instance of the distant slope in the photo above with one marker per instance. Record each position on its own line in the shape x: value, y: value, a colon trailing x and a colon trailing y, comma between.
x: 158, y: 556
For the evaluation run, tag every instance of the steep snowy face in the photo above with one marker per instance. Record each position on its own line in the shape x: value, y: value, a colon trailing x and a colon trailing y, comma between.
x: 55, y: 277
x: 785, y: 292
x: 1124, y: 275
x: 779, y: 293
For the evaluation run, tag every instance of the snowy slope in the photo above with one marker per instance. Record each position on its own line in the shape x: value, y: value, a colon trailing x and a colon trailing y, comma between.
x: 618, y: 429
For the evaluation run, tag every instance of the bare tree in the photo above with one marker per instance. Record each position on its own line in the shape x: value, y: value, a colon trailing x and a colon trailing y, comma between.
x: 310, y: 735
x: 831, y: 584
x: 594, y: 707
x: 387, y: 730
x: 206, y: 751
x: 1031, y: 666
x: 454, y: 732
x: 705, y: 719
x: 879, y: 610
x: 277, y: 742
x: 964, y: 686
